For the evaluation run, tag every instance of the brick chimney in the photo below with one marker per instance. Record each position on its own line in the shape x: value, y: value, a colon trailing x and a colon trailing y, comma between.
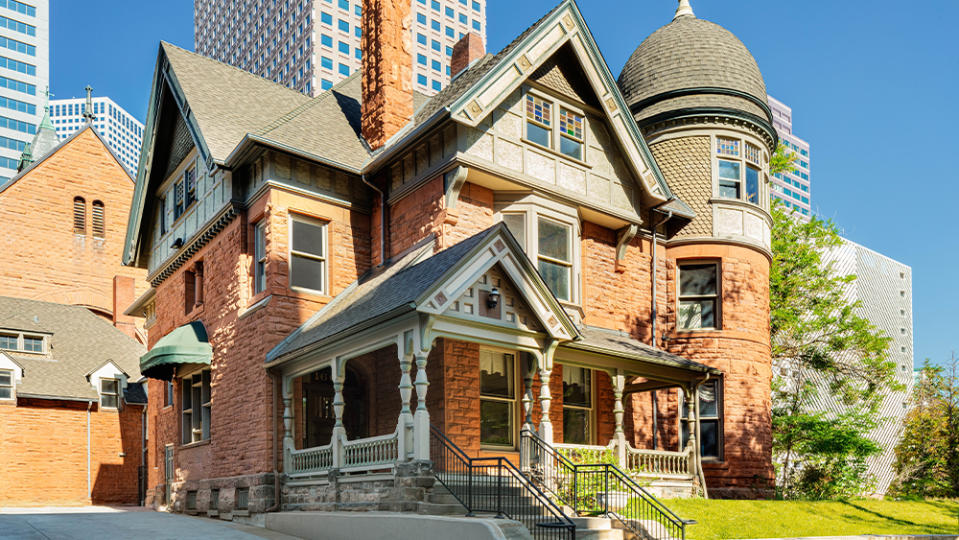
x: 466, y: 51
x: 387, y: 70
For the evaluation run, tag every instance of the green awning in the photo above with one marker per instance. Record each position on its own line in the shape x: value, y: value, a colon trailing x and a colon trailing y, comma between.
x: 187, y: 344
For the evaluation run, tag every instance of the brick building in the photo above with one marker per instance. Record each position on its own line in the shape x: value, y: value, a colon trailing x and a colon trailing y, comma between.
x: 63, y: 291
x: 536, y: 255
x: 71, y: 410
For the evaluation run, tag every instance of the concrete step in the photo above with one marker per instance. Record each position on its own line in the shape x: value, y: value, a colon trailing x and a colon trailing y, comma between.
x: 442, y: 498
x: 440, y: 509
x: 596, y: 528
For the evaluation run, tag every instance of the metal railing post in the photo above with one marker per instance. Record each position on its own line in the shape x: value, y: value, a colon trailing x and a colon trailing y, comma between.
x: 499, y: 488
x: 469, y: 490
x: 606, y: 489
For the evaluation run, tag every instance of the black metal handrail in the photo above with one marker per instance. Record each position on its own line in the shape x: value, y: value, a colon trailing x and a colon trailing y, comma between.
x: 495, y: 485
x: 599, y: 488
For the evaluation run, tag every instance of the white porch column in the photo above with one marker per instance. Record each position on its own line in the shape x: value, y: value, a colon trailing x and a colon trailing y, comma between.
x: 421, y: 419
x: 529, y: 373
x: 619, y: 435
x: 545, y: 397
x: 339, y: 432
x: 405, y: 423
x: 288, y: 444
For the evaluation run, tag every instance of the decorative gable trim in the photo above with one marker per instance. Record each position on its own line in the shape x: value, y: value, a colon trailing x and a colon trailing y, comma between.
x: 564, y: 25
x: 499, y: 248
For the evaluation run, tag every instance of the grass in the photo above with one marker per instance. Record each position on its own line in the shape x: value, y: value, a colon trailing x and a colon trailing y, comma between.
x: 721, y: 519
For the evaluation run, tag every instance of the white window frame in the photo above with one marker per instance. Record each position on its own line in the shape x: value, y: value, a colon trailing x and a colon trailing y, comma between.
x: 590, y: 409
x: 512, y: 402
x: 259, y: 256
x: 198, y: 431
x: 717, y: 297
x: 718, y: 418
x: 21, y: 341
x: 555, y: 136
x: 744, y: 163
x: 533, y: 208
x: 12, y: 386
x: 324, y: 259
x: 104, y: 394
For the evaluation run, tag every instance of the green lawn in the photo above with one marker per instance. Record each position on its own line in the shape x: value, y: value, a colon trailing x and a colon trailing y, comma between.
x: 720, y: 519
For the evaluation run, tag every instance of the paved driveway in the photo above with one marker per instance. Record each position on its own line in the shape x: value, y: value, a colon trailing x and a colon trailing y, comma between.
x: 100, y: 522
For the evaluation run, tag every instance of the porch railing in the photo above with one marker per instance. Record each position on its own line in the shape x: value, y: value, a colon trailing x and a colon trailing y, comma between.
x: 349, y: 456
x: 660, y: 463
x: 599, y: 488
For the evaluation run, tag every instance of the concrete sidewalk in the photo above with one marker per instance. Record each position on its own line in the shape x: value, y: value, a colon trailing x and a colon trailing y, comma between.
x: 99, y: 522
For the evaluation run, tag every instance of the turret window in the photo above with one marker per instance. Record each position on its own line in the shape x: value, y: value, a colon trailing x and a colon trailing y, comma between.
x: 739, y: 167
x: 698, y: 296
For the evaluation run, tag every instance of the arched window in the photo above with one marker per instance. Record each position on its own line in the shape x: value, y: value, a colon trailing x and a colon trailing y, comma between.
x: 99, y: 229
x: 79, y: 216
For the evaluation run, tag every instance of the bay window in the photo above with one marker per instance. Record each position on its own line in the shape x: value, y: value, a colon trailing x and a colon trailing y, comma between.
x: 497, y: 397
x: 739, y: 166
x: 549, y: 239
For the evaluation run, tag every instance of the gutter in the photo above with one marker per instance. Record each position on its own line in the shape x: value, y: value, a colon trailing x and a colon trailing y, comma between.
x: 89, y: 485
x: 276, y: 474
x: 382, y: 217
x: 655, y: 303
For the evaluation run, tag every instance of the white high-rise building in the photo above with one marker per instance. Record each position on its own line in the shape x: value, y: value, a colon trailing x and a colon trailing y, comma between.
x: 24, y: 76
x: 310, y: 45
x: 793, y: 189
x: 120, y: 129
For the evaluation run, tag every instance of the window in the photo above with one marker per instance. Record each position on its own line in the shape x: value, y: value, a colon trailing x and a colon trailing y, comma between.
x: 99, y: 227
x: 109, y: 393
x: 32, y: 344
x: 6, y: 384
x: 497, y: 397
x: 729, y: 179
x: 168, y: 393
x: 698, y: 295
x: 308, y: 255
x: 14, y: 341
x: 259, y: 257
x: 539, y: 126
x: 9, y: 342
x: 577, y: 405
x: 79, y: 216
x: 189, y: 179
x: 196, y: 407
x: 554, y: 256
x: 710, y: 420
x: 193, y: 288
x: 740, y: 168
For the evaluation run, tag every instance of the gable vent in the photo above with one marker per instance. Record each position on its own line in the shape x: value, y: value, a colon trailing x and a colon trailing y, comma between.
x: 99, y: 228
x: 79, y: 216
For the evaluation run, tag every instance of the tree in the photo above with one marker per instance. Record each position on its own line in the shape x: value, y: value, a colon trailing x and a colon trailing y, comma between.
x: 823, y: 352
x: 927, y: 456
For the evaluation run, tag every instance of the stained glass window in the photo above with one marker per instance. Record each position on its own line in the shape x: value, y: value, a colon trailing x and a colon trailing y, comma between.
x: 727, y: 147
x: 753, y: 154
x: 570, y: 124
x: 538, y: 110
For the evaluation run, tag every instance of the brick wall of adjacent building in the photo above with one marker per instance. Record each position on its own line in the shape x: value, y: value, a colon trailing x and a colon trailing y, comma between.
x: 242, y: 329
x: 42, y: 257
x: 44, y: 453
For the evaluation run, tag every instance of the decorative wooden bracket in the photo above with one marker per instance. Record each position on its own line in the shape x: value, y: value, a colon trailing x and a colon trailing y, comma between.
x: 623, y: 238
x: 452, y: 184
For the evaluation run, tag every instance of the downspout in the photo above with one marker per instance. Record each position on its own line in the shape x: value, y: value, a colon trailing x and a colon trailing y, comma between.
x: 655, y: 306
x: 382, y: 218
x: 276, y: 474
x: 89, y: 486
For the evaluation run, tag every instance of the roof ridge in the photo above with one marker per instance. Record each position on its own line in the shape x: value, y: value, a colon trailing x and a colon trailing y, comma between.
x: 234, y: 68
x: 303, y: 107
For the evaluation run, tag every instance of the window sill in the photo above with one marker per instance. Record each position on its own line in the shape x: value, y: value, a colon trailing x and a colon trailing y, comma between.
x: 309, y: 294
x: 558, y: 154
x: 196, y: 311
x: 196, y: 444
x: 258, y: 304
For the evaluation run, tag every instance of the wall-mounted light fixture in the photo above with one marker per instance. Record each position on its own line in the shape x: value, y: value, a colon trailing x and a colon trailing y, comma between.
x: 492, y: 299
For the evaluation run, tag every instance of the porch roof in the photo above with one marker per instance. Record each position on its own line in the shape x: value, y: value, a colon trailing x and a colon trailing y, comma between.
x: 620, y: 344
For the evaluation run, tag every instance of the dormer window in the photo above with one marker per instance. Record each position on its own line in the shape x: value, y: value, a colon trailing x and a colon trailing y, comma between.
x: 739, y: 166
x: 6, y: 384
x: 540, y: 122
x: 184, y: 192
x: 16, y: 341
x: 109, y: 393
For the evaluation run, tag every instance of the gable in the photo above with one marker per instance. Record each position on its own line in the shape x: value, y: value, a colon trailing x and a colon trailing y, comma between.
x: 511, y: 309
x: 564, y: 26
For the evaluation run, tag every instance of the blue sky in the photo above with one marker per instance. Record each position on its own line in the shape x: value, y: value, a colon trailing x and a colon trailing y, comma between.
x: 872, y: 86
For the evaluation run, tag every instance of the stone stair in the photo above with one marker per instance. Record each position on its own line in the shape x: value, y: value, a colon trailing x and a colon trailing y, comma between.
x: 597, y: 528
x: 440, y: 502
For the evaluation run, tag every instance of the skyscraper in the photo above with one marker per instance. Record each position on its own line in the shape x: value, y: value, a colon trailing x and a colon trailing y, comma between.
x: 793, y: 189
x: 119, y: 128
x: 24, y: 76
x: 310, y: 45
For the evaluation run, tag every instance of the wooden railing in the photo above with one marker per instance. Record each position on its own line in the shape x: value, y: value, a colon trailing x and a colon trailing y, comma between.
x: 638, y: 463
x: 357, y: 455
x: 311, y: 460
x: 366, y: 453
x: 660, y: 463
